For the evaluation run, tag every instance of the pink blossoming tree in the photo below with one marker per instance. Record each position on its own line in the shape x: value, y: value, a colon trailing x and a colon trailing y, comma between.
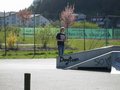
x: 67, y: 17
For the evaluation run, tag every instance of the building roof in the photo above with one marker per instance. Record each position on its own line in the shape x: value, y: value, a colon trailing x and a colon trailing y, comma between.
x: 6, y: 13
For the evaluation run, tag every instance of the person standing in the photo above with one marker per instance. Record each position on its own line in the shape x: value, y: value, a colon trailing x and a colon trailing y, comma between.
x: 61, y: 38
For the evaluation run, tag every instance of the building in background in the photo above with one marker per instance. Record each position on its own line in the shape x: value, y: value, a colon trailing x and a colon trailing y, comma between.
x: 80, y: 17
x: 39, y: 20
x: 12, y: 19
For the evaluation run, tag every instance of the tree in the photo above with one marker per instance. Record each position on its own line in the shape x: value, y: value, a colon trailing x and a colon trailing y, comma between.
x: 67, y: 16
x: 88, y: 7
x: 24, y: 16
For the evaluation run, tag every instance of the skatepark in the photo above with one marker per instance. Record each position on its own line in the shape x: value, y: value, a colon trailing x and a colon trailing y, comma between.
x: 60, y: 45
x: 45, y: 75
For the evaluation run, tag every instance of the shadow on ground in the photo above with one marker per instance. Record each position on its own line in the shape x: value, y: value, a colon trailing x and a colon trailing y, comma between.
x: 95, y: 69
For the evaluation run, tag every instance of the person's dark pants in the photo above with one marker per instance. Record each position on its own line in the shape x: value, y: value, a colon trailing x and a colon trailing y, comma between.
x: 60, y: 50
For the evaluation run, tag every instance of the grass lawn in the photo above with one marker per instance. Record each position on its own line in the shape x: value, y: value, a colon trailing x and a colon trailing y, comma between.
x: 30, y: 54
x: 76, y: 44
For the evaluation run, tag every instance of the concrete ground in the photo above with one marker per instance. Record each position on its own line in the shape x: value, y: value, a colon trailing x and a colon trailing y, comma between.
x: 45, y: 76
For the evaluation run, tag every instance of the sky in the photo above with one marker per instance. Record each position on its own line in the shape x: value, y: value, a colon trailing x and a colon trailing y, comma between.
x: 14, y: 5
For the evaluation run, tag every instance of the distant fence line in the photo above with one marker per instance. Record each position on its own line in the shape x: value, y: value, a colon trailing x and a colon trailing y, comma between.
x: 78, y: 33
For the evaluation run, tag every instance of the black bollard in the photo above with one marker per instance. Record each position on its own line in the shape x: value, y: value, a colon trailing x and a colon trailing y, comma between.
x: 27, y: 79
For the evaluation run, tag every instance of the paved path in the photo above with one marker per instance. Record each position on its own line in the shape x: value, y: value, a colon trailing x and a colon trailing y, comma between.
x: 45, y: 76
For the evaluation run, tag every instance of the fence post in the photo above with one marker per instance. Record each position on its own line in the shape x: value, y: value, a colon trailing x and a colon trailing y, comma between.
x: 34, y: 35
x: 27, y: 79
x: 84, y: 36
x: 107, y: 22
x: 5, y: 33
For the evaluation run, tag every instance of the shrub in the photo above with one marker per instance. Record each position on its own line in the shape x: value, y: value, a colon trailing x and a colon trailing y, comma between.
x: 11, y: 40
x: 14, y: 29
x: 82, y: 24
x: 45, y: 35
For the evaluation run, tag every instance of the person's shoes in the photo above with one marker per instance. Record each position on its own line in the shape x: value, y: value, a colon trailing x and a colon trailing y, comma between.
x: 61, y: 58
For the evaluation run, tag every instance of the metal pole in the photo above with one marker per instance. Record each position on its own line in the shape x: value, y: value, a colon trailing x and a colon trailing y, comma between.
x: 23, y: 26
x: 84, y: 36
x: 106, y: 29
x: 5, y: 33
x: 106, y: 40
x: 34, y: 36
x: 24, y: 33
x: 67, y: 32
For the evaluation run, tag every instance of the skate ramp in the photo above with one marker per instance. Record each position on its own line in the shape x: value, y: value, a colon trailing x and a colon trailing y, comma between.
x: 104, y: 57
x: 101, y: 61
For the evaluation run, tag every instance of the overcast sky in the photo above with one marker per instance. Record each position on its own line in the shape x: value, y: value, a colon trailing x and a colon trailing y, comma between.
x: 14, y: 5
